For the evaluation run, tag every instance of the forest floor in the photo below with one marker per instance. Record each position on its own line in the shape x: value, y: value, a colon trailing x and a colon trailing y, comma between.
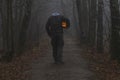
x: 75, y: 67
x: 81, y: 63
x: 101, y: 64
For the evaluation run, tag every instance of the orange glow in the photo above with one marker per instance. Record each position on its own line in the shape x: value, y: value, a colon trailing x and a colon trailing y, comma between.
x: 64, y: 24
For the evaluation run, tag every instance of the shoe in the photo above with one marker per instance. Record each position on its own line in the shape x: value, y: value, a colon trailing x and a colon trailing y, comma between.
x: 56, y: 62
x: 61, y: 62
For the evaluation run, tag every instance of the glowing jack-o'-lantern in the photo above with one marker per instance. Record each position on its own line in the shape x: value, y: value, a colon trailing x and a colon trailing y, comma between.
x: 64, y: 24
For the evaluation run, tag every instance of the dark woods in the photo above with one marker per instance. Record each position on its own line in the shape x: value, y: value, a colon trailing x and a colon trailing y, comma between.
x: 115, y: 29
x: 100, y: 22
x: 15, y: 16
x: 99, y: 29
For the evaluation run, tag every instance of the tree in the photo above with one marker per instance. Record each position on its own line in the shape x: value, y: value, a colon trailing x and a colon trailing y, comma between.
x: 115, y: 37
x: 7, y: 27
x: 100, y: 27
x: 25, y: 24
x: 92, y: 22
x: 11, y: 15
x: 83, y: 11
x: 79, y: 8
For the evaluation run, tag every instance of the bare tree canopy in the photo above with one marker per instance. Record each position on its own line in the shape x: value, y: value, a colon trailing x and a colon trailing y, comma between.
x: 96, y: 21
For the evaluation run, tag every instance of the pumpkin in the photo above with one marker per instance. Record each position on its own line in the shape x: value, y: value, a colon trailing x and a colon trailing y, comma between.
x: 64, y: 24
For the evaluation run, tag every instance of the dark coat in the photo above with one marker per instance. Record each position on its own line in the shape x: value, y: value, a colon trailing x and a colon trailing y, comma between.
x: 54, y: 26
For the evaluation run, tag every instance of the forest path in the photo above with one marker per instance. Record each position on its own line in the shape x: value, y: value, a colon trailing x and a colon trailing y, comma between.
x: 75, y: 67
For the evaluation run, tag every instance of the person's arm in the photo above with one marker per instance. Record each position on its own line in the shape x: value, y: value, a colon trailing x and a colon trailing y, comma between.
x: 67, y: 21
x: 48, y: 26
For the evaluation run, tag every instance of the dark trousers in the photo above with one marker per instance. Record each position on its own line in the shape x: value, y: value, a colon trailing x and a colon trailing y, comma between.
x: 57, y: 45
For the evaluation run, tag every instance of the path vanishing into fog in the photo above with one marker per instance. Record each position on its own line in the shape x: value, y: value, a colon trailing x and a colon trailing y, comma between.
x: 75, y: 67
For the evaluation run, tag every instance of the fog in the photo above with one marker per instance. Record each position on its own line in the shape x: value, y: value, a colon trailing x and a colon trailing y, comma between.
x: 42, y: 10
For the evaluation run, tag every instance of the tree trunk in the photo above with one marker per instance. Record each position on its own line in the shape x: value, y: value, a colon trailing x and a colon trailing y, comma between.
x: 24, y: 27
x: 115, y: 37
x: 100, y: 27
x: 92, y: 22
x: 80, y: 15
x: 7, y: 27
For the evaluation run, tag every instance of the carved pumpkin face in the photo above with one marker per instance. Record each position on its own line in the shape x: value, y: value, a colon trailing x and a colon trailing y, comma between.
x: 64, y: 24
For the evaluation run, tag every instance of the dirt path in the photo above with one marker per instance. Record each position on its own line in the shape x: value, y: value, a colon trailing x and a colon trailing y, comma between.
x: 75, y: 67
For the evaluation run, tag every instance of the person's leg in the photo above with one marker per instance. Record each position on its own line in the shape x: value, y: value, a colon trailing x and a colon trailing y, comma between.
x: 54, y: 47
x: 60, y: 44
x: 60, y: 54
